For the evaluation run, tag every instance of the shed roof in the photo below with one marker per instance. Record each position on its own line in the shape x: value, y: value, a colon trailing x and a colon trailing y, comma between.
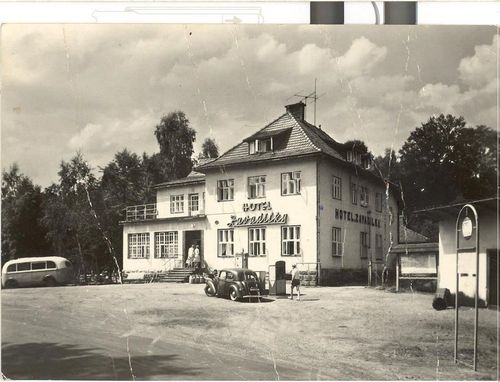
x: 452, y: 209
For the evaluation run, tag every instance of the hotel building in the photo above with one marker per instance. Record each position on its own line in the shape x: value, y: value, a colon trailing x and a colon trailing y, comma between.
x: 288, y: 192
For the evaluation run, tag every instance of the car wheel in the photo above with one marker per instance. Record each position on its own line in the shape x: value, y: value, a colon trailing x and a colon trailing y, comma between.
x: 49, y: 282
x: 11, y: 284
x: 209, y: 291
x: 233, y: 294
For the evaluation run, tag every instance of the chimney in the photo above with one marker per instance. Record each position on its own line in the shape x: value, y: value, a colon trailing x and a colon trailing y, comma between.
x: 298, y: 110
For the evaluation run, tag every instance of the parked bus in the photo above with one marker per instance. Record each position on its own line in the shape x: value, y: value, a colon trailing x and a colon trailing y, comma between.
x: 37, y: 271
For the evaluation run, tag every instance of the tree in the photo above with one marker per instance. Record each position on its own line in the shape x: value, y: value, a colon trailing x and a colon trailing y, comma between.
x: 123, y: 180
x: 209, y: 149
x: 387, y: 166
x: 357, y: 145
x: 70, y: 215
x: 126, y: 181
x: 176, y: 138
x: 22, y: 232
x: 443, y: 160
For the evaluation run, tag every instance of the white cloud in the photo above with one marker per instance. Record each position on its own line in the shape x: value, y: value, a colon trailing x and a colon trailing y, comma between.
x: 229, y: 80
x: 361, y: 57
x: 480, y: 69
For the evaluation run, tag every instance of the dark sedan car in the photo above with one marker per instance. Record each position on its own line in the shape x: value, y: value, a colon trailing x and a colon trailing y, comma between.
x: 234, y: 283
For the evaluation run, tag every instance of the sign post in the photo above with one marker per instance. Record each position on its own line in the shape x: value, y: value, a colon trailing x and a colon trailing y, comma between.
x: 467, y: 226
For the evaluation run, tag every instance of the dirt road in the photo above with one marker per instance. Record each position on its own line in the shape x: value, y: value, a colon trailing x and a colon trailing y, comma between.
x: 173, y: 331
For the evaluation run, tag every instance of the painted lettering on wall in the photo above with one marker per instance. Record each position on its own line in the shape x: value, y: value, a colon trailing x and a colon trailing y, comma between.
x: 262, y: 219
x: 263, y: 206
x: 356, y: 218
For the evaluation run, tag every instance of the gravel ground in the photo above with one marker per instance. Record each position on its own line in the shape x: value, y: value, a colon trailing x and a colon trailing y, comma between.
x: 173, y: 331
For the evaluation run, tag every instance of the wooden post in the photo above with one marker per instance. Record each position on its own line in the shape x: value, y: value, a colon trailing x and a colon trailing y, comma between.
x: 397, y: 273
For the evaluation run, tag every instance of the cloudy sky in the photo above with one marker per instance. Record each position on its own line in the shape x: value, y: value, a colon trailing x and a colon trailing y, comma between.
x: 102, y: 88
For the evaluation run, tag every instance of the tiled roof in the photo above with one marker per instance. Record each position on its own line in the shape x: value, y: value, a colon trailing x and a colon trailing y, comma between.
x: 299, y: 138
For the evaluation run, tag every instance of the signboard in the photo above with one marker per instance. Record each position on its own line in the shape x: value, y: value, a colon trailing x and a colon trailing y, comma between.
x: 356, y: 218
x: 467, y: 228
x: 262, y: 219
x: 421, y: 264
x: 262, y: 206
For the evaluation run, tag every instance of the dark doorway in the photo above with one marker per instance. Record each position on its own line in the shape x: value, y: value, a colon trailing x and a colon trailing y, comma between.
x: 493, y: 286
x: 190, y: 238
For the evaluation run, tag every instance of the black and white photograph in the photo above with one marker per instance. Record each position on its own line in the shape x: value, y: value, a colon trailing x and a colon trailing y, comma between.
x: 249, y: 202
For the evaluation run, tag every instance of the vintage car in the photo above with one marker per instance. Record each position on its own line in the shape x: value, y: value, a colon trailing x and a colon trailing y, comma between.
x: 236, y: 284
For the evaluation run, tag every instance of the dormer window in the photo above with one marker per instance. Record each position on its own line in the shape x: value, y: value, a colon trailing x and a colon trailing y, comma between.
x: 260, y: 145
x: 366, y: 163
x: 354, y: 157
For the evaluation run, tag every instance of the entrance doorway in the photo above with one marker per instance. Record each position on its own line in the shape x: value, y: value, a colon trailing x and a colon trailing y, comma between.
x: 190, y: 238
x: 493, y: 287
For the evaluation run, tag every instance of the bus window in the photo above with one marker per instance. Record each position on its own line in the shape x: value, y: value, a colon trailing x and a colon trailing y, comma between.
x: 23, y: 267
x: 51, y: 265
x: 38, y: 265
x: 67, y: 264
x: 11, y: 268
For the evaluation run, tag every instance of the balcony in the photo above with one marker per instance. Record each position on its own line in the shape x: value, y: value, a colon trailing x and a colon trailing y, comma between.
x: 141, y: 212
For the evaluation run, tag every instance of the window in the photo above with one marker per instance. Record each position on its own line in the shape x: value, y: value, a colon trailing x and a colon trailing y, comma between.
x: 337, y: 247
x: 23, y: 267
x: 354, y: 193
x: 38, y: 265
x: 225, y: 190
x: 337, y: 188
x: 350, y: 156
x: 378, y: 247
x: 176, y: 204
x: 354, y: 157
x: 363, y: 196
x: 51, y: 265
x: 257, y: 241
x: 225, y: 242
x: 364, y: 244
x: 11, y: 268
x: 290, y: 241
x: 194, y: 202
x: 138, y: 245
x: 290, y: 183
x: 257, y: 187
x: 366, y: 162
x: 378, y: 202
x: 260, y: 146
x: 166, y: 244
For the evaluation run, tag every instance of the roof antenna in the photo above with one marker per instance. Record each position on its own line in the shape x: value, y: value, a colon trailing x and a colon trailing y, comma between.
x: 314, y: 96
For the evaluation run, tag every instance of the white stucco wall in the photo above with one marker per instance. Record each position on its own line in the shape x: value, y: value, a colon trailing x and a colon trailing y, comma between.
x: 467, y: 262
x: 301, y: 210
x: 350, y: 230
x: 163, y: 199
x: 151, y: 263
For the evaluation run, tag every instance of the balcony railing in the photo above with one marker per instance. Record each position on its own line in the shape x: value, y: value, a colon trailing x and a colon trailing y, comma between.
x: 141, y: 212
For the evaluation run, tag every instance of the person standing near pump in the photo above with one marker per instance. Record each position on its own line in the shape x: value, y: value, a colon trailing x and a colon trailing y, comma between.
x: 295, y: 282
x: 190, y: 257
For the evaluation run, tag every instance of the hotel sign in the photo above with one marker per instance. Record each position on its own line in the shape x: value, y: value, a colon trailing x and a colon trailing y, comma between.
x: 262, y: 219
x: 263, y: 206
x: 356, y: 218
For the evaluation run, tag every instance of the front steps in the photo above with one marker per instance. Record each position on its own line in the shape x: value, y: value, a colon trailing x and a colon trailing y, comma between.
x: 176, y: 275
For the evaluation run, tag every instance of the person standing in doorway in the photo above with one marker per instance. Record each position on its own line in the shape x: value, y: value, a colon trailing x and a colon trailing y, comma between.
x: 197, y: 257
x: 190, y: 257
x: 295, y: 282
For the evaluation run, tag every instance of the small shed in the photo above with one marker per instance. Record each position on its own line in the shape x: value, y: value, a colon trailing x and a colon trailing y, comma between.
x: 488, y: 218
